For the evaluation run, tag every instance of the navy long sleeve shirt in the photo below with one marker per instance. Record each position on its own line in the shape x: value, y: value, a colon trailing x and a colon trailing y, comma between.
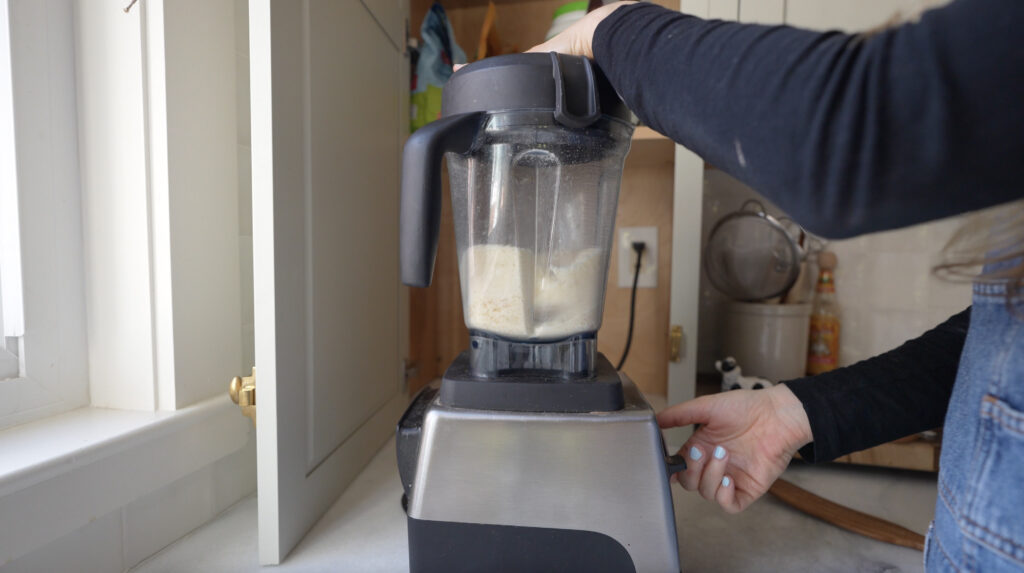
x: 849, y: 134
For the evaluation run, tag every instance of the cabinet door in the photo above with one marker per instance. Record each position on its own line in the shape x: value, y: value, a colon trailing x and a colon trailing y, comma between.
x: 390, y: 15
x: 328, y: 84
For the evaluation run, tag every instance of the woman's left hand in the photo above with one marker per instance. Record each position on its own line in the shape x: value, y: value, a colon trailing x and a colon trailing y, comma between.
x: 744, y: 443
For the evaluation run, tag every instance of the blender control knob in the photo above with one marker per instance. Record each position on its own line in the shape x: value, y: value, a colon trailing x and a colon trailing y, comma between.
x: 675, y: 464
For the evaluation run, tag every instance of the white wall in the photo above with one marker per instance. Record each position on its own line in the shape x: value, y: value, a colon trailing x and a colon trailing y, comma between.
x: 853, y: 15
x: 244, y: 179
x: 202, y: 158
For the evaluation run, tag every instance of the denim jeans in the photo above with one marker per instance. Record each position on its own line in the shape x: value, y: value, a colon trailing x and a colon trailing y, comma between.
x: 979, y: 514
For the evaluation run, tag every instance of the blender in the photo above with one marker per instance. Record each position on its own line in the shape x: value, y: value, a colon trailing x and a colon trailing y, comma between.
x: 533, y: 453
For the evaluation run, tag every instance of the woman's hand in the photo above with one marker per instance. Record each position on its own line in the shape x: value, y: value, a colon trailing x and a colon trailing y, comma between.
x: 744, y: 443
x: 576, y: 40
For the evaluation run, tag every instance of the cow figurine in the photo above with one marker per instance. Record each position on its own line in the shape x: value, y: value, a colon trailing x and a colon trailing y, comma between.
x: 733, y: 378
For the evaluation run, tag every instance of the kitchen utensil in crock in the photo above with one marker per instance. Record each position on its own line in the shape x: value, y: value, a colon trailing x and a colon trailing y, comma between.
x: 751, y: 256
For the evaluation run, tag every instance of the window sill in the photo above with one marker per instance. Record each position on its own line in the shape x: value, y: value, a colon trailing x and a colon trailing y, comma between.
x: 58, y: 474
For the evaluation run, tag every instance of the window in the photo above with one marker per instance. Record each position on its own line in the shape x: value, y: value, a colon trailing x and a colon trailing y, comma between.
x: 43, y: 351
x: 12, y: 325
x: 87, y: 83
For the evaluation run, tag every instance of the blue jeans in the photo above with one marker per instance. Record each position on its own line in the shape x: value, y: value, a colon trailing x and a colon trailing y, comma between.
x: 979, y: 514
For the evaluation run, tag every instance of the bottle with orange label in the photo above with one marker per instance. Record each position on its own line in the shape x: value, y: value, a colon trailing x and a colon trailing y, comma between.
x: 823, y: 347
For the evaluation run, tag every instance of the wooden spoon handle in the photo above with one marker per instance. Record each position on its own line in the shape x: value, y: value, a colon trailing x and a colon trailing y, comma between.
x: 845, y: 517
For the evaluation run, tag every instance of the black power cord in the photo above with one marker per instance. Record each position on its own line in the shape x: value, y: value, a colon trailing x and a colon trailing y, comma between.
x: 639, y: 247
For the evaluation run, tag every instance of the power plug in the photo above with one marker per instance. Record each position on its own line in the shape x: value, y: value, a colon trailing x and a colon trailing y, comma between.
x: 627, y: 256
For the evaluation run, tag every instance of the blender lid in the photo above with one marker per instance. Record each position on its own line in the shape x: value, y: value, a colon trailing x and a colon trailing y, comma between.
x: 573, y: 87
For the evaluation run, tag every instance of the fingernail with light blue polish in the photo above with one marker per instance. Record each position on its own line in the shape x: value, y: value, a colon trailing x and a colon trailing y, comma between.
x: 719, y: 452
x: 726, y: 481
x: 695, y: 453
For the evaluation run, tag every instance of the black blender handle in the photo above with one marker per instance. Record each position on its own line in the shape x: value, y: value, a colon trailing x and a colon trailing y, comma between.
x: 575, y: 108
x: 420, y: 220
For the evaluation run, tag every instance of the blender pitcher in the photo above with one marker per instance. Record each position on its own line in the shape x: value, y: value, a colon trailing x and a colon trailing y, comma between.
x: 535, y: 145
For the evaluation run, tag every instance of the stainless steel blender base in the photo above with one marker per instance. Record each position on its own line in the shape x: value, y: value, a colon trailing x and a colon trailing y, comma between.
x: 602, y: 472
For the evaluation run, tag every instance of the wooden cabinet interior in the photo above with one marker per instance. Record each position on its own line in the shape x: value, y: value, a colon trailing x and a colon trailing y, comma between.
x: 521, y: 23
x: 437, y: 330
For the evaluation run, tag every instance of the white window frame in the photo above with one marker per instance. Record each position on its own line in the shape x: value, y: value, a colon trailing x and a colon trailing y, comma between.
x: 137, y: 294
x: 51, y: 349
x: 12, y: 324
x: 130, y: 255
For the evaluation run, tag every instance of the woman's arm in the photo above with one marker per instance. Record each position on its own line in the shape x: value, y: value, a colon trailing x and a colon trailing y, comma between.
x: 880, y: 399
x: 847, y: 133
x: 747, y: 437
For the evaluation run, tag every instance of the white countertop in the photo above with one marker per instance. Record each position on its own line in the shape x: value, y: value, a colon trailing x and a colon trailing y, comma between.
x: 365, y: 530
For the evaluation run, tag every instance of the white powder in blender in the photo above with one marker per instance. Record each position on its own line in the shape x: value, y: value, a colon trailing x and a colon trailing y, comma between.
x: 509, y: 295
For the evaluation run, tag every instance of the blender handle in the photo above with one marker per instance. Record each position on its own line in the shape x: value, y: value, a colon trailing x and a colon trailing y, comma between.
x: 420, y: 218
x: 575, y: 108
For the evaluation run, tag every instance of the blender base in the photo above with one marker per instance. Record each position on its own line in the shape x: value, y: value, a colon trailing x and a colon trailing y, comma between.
x: 492, y: 490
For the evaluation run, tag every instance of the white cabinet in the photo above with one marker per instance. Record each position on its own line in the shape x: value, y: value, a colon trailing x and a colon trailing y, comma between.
x: 328, y: 89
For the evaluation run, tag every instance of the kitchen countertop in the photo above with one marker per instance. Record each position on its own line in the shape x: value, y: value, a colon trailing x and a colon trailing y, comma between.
x: 365, y: 531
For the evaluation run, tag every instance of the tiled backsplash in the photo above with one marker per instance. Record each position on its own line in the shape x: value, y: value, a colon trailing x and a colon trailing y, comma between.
x: 886, y: 290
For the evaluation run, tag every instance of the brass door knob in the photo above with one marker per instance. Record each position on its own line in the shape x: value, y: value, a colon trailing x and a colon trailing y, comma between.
x: 675, y: 343
x: 242, y: 390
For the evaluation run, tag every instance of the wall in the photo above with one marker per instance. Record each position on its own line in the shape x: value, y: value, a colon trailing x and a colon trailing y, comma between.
x: 199, y: 44
x: 244, y: 181
x: 886, y: 291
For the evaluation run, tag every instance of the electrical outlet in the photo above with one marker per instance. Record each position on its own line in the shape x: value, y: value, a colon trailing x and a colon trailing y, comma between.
x: 627, y: 256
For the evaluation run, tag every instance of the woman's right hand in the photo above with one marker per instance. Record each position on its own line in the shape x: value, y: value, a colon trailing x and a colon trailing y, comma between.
x: 744, y: 443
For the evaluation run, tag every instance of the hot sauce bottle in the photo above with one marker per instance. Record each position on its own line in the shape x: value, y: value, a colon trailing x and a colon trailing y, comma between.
x: 823, y: 347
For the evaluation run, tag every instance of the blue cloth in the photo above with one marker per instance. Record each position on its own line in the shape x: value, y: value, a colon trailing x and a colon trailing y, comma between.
x: 979, y: 516
x: 439, y: 51
x: 438, y: 54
